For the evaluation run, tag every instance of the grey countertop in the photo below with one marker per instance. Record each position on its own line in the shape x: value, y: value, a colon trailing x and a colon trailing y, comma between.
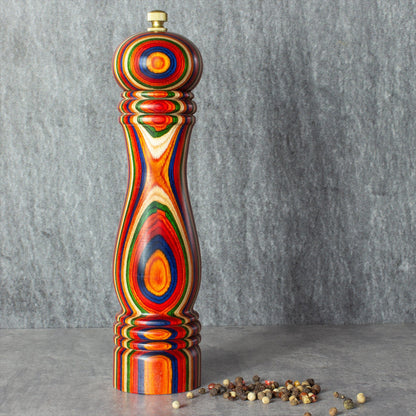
x: 69, y: 371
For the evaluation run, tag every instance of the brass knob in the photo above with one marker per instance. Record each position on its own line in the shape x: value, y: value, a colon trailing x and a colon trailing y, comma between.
x: 157, y: 17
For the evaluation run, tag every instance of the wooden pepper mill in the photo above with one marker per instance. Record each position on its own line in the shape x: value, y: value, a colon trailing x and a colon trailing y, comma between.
x: 157, y: 260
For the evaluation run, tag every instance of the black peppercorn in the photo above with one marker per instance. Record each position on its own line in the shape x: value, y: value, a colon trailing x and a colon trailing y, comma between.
x: 311, y: 381
x: 316, y: 389
x: 256, y: 378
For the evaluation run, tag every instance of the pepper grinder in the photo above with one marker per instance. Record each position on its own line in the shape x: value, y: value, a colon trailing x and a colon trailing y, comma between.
x: 156, y: 265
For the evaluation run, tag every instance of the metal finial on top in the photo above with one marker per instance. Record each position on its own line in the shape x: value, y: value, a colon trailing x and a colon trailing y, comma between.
x: 158, y: 18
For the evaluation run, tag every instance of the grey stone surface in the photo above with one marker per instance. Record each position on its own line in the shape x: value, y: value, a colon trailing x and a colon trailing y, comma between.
x: 62, y: 372
x: 301, y: 166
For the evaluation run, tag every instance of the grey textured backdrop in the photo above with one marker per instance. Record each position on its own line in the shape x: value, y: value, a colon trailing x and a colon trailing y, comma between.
x: 301, y: 167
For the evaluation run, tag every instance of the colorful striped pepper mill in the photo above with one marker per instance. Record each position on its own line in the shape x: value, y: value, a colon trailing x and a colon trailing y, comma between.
x: 157, y: 260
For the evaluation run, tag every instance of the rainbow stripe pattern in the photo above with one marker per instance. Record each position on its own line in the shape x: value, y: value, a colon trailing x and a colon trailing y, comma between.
x: 156, y: 264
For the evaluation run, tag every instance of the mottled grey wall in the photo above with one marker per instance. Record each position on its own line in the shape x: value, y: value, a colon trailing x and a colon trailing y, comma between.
x: 301, y: 166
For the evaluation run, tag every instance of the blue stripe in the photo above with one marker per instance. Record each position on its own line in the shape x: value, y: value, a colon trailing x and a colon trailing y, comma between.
x: 157, y: 243
x: 150, y: 74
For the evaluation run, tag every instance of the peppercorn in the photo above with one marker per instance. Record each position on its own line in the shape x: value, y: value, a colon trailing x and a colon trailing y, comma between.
x: 316, y: 389
x: 176, y: 404
x: 305, y: 383
x: 311, y: 381
x: 284, y: 397
x: 260, y: 395
x: 348, y: 404
x: 243, y: 397
x: 226, y: 382
x: 252, y: 396
x: 220, y: 388
x: 293, y: 401
x: 233, y: 394
x: 288, y: 382
x: 231, y: 386
x: 269, y: 394
x: 361, y: 398
x: 336, y: 394
x: 201, y: 391
x: 265, y: 400
x: 342, y: 397
x: 306, y: 399
x: 256, y: 378
x: 296, y: 383
x: 189, y: 395
x: 295, y: 392
x: 307, y: 414
x: 226, y: 395
x: 284, y: 391
x: 312, y: 397
x: 333, y: 411
x: 275, y: 392
x: 213, y: 391
x: 290, y: 386
x: 239, y: 381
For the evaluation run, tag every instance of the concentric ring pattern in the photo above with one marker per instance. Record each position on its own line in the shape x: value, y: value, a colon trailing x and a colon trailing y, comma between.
x: 156, y: 260
x: 153, y: 61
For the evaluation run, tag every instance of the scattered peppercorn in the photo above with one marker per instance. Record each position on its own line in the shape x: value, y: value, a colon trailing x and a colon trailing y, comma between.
x: 239, y: 381
x: 333, y: 411
x: 293, y: 401
x: 189, y: 395
x: 348, y: 404
x: 336, y: 394
x: 288, y: 382
x: 294, y: 392
x: 252, y: 396
x: 306, y: 400
x: 213, y: 391
x: 316, y: 389
x: 342, y: 396
x: 176, y: 404
x: 265, y: 400
x: 202, y: 391
x: 361, y: 398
